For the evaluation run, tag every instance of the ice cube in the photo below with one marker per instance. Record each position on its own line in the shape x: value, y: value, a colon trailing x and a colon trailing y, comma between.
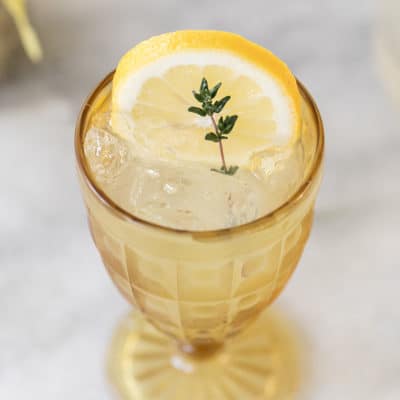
x: 194, y: 197
x: 280, y: 171
x: 106, y: 153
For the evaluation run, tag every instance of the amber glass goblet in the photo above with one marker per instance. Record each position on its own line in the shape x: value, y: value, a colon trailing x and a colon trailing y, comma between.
x: 198, y: 330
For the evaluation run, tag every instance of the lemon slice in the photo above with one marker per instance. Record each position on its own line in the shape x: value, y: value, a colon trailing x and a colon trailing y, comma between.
x: 152, y: 90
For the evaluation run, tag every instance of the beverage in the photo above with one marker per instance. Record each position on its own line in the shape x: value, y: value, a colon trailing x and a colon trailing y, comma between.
x: 199, y: 248
x: 189, y: 196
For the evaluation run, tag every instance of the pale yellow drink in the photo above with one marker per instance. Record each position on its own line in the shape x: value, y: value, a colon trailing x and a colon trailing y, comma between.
x: 226, y: 275
x: 200, y: 278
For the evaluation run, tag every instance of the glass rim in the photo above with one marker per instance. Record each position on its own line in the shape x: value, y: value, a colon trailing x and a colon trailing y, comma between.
x: 106, y: 201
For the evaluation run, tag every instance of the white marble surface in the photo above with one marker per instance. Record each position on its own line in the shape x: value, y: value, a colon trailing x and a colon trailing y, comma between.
x: 57, y: 306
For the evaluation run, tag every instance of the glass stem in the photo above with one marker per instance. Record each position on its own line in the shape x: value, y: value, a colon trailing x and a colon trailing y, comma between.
x: 200, y: 351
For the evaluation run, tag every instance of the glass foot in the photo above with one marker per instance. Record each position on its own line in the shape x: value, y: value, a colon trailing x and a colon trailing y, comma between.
x: 261, y: 363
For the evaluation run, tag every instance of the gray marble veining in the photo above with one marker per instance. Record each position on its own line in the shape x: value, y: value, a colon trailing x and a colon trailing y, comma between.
x: 58, y: 308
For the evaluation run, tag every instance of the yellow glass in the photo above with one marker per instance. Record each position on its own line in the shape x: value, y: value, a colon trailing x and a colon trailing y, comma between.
x: 200, y: 289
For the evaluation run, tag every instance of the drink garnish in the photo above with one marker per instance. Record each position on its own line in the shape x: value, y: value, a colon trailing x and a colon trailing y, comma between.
x: 223, y: 128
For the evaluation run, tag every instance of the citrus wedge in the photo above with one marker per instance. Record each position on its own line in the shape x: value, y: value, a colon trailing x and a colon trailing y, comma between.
x: 152, y: 90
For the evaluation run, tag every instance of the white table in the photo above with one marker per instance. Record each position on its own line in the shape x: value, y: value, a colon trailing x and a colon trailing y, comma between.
x: 58, y: 308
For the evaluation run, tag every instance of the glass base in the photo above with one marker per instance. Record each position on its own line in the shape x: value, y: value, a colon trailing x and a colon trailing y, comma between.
x: 261, y: 363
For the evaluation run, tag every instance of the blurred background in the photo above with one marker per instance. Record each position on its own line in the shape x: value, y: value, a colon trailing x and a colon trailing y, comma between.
x: 58, y: 308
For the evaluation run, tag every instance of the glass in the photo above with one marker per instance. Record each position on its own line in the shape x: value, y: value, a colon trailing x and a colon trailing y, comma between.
x: 195, y: 291
x: 387, y: 41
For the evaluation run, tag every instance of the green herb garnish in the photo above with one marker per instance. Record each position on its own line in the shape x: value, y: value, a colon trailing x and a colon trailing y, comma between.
x: 225, y: 124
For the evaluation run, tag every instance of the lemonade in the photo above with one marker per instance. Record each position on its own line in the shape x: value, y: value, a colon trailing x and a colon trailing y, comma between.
x: 148, y: 154
x: 196, y: 132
